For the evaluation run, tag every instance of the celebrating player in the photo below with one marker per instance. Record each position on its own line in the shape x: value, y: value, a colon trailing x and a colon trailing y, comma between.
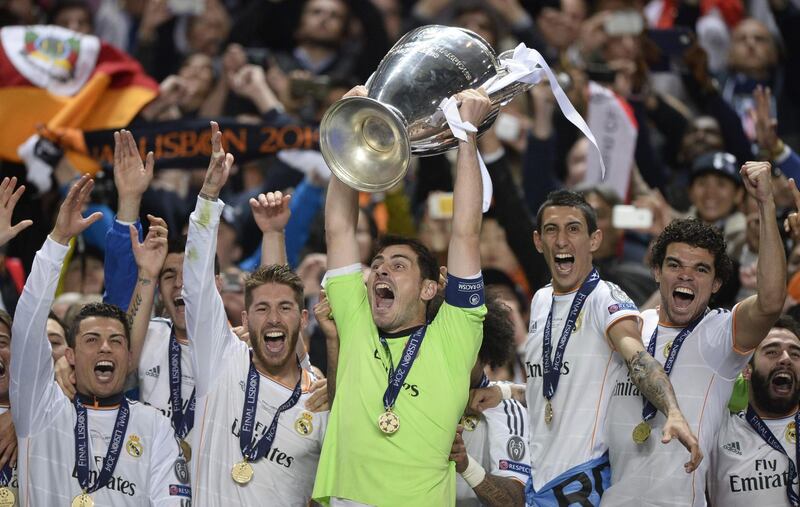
x: 744, y: 471
x: 390, y: 435
x: 702, y: 350
x: 254, y: 442
x: 582, y: 331
x: 102, y: 447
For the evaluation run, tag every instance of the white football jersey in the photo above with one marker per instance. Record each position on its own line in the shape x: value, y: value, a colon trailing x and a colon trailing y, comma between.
x: 153, y: 371
x: 745, y: 471
x: 150, y: 470
x: 702, y: 376
x: 499, y: 442
x: 285, y: 476
x: 575, y: 435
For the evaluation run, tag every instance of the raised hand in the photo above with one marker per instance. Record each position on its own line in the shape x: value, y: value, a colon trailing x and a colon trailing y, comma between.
x: 151, y: 253
x: 8, y: 200
x: 318, y: 401
x: 218, y: 168
x: 677, y: 427
x: 271, y: 211
x: 475, y: 105
x: 757, y: 179
x: 70, y: 222
x: 322, y: 312
x: 131, y: 176
x: 766, y: 126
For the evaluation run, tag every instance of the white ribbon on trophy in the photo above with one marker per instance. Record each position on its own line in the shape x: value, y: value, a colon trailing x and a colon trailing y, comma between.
x: 526, y: 66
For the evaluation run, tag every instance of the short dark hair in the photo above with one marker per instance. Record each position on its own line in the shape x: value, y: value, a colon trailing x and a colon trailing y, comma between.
x: 98, y: 310
x: 428, y: 265
x: 694, y: 233
x: 497, y: 347
x: 177, y: 245
x: 273, y: 273
x: 569, y: 199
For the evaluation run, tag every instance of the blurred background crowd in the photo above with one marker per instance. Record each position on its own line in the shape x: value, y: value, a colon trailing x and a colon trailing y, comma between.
x: 679, y: 94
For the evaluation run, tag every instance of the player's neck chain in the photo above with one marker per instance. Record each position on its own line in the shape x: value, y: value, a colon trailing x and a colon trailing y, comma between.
x: 182, y: 421
x: 764, y: 432
x: 642, y: 430
x: 242, y: 472
x: 389, y: 421
x: 551, y: 366
x: 82, y: 457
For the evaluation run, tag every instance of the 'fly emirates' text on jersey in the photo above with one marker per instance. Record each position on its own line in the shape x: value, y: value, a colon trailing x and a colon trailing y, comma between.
x: 285, y: 476
x: 575, y: 435
x: 410, y: 467
x: 498, y: 440
x: 150, y: 470
x: 745, y: 471
x: 652, y: 473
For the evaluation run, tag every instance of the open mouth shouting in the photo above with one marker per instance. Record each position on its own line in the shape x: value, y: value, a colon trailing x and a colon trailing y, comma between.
x: 3, y: 370
x: 682, y: 297
x: 104, y: 370
x: 275, y: 341
x: 384, y: 295
x: 782, y: 383
x: 564, y: 263
x: 179, y: 304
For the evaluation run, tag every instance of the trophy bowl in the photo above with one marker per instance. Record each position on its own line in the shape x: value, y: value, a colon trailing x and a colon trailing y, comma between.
x: 368, y: 141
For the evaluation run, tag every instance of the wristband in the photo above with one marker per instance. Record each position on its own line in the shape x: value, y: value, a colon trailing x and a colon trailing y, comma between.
x: 505, y: 390
x: 474, y: 474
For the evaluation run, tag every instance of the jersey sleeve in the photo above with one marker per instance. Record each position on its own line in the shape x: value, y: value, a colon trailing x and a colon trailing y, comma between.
x: 120, y: 267
x: 507, y: 432
x: 717, y: 346
x: 206, y: 321
x: 615, y: 306
x: 33, y: 393
x: 169, y: 472
x: 347, y: 296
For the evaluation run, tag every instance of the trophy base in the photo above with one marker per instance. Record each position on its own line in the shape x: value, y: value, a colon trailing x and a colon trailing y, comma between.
x: 365, y: 144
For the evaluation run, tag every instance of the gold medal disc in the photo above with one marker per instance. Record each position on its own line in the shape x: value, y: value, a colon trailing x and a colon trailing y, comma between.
x: 186, y: 449
x: 7, y: 497
x: 242, y: 472
x: 641, y: 433
x: 82, y: 500
x: 469, y: 422
x: 389, y: 422
x: 548, y: 412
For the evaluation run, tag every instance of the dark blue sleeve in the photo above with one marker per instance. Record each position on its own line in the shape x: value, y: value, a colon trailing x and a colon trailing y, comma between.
x: 120, y: 265
x: 464, y: 292
x: 93, y: 235
x: 791, y: 166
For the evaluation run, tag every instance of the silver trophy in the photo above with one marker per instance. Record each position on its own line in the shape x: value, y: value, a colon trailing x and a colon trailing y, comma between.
x: 368, y: 141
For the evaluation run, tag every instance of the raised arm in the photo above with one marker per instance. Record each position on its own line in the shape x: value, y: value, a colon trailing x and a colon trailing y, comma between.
x: 271, y: 213
x: 756, y: 314
x: 341, y: 216
x: 132, y: 178
x: 463, y: 256
x: 32, y: 391
x: 649, y: 376
x: 206, y: 321
x: 149, y: 257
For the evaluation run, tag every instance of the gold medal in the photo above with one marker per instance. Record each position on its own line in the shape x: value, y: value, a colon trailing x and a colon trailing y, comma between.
x: 7, y: 497
x: 667, y: 348
x: 303, y: 424
x: 641, y: 432
x: 186, y: 449
x: 548, y: 412
x: 242, y: 472
x: 389, y: 422
x: 791, y: 433
x: 82, y: 500
x: 469, y: 422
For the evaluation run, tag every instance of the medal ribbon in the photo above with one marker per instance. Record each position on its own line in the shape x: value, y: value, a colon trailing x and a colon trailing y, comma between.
x: 398, y: 376
x: 764, y: 432
x: 253, y: 451
x: 649, y: 410
x: 5, y: 475
x: 114, y: 447
x: 551, y: 369
x: 182, y: 422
